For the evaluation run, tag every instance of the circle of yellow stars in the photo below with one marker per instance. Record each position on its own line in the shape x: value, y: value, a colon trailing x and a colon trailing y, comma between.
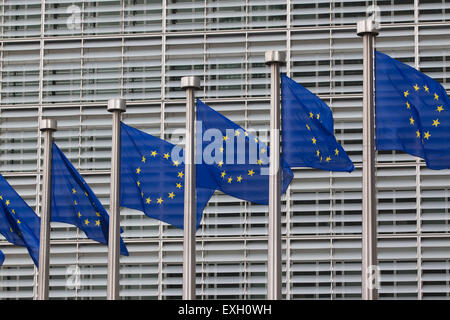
x: 148, y: 200
x: 320, y: 156
x: 238, y: 179
x: 7, y: 203
x: 423, y: 136
x: 84, y: 219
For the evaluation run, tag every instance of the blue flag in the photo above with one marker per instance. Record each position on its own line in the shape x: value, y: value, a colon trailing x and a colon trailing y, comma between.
x: 236, y: 159
x: 411, y: 112
x: 152, y: 181
x: 2, y: 258
x: 74, y: 202
x: 18, y: 222
x: 308, y: 130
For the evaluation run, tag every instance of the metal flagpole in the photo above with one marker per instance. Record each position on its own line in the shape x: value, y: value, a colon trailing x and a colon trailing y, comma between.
x: 189, y: 284
x: 368, y: 29
x: 116, y: 107
x: 47, y: 126
x: 274, y: 287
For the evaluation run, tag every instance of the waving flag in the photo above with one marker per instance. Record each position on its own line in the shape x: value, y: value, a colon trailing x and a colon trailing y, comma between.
x: 152, y: 182
x: 412, y: 112
x: 18, y: 222
x: 239, y: 161
x: 308, y: 133
x: 74, y: 202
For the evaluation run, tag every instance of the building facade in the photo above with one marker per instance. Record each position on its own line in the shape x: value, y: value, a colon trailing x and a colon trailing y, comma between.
x: 64, y: 59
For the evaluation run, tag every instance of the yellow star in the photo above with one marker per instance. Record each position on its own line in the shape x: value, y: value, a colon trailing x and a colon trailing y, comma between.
x: 426, y: 89
x: 259, y: 161
x: 314, y: 140
x: 427, y: 135
x: 86, y: 222
x: 406, y: 93
x: 230, y: 179
x: 408, y: 106
x: 142, y: 194
x: 160, y: 200
x: 7, y: 202
x: 75, y: 202
x: 436, y: 123
x: 263, y: 150
x: 436, y: 97
x: 179, y: 185
x: 307, y: 127
x: 148, y: 200
x: 171, y: 195
x: 440, y: 108
x: 416, y: 87
x: 328, y: 159
x: 18, y: 221
x: 180, y: 174
x: 318, y: 153
x: 220, y: 164
x: 239, y: 179
x: 336, y: 152
x: 74, y: 191
x: 86, y: 194
x: 138, y: 170
x: 225, y: 138
x: 166, y: 156
x: 246, y: 133
x: 13, y: 212
x: 418, y: 133
x: 411, y: 121
x: 176, y: 163
x: 221, y: 149
x: 321, y: 158
x: 256, y: 140
x: 223, y: 174
x: 138, y: 183
x: 1, y: 197
x: 79, y: 214
x: 311, y: 115
x: 154, y: 153
x: 98, y: 214
x: 143, y: 159
x: 318, y: 116
x: 97, y: 223
x: 251, y: 172
x: 237, y: 133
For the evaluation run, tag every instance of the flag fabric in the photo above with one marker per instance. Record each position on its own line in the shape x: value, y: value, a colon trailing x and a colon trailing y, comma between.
x: 74, y: 202
x: 308, y: 130
x: 237, y: 160
x: 2, y: 258
x: 19, y: 224
x: 411, y: 112
x: 152, y: 180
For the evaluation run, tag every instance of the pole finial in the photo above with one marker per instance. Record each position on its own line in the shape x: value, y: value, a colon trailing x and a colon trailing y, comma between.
x: 117, y: 104
x: 47, y: 124
x: 190, y: 82
x: 275, y: 57
x: 369, y: 25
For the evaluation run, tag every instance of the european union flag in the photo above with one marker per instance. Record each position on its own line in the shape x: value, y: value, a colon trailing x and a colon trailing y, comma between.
x: 18, y: 222
x: 308, y: 133
x: 2, y: 258
x: 152, y: 181
x: 411, y: 112
x: 236, y: 159
x: 74, y: 202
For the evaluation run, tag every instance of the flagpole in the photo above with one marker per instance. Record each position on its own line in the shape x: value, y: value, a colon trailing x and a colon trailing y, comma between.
x: 368, y: 29
x: 47, y: 126
x: 116, y: 107
x: 274, y: 263
x: 189, y: 284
